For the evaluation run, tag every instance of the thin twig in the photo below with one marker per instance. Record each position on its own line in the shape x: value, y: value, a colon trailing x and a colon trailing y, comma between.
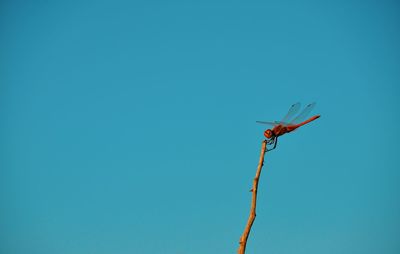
x: 252, y: 217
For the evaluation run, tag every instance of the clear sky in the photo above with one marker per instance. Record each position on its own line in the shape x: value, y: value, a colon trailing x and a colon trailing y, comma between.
x: 129, y: 126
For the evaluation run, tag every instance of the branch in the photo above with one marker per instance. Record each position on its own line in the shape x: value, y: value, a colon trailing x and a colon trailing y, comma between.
x: 252, y: 217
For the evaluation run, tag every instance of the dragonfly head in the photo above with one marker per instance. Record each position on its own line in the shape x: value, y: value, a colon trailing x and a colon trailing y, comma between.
x: 268, y: 134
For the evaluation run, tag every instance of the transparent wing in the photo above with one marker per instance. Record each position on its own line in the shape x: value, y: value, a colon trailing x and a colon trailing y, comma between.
x: 268, y: 123
x: 291, y: 113
x: 303, y: 114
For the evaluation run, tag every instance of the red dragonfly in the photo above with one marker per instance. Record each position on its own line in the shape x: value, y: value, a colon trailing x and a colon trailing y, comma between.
x: 288, y: 124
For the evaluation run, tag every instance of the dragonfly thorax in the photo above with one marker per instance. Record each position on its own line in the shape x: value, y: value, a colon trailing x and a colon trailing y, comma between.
x: 279, y: 130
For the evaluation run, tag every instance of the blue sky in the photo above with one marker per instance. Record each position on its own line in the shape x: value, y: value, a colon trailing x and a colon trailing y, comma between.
x: 129, y: 126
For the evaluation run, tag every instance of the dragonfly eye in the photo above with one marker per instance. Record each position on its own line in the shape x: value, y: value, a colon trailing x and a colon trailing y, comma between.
x: 268, y: 133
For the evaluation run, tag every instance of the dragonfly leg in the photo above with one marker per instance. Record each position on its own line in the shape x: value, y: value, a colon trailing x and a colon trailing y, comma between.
x: 276, y: 142
x: 273, y: 142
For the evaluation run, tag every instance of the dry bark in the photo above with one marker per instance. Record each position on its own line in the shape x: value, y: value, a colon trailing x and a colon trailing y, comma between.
x: 252, y: 217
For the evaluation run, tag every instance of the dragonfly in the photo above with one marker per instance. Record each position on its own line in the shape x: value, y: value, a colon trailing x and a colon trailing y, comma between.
x: 288, y: 124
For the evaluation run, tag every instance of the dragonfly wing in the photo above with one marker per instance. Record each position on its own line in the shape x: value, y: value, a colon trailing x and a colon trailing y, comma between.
x: 292, y: 111
x: 267, y: 123
x: 303, y: 114
x: 283, y: 123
